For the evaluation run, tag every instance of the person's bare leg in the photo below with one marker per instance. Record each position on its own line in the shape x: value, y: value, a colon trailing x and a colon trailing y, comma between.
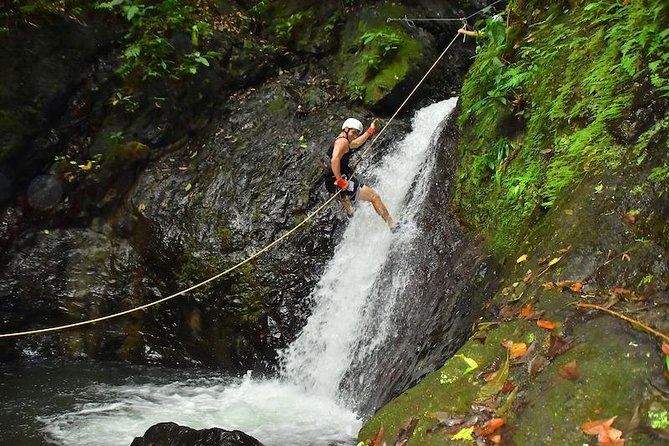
x: 368, y: 194
x: 346, y: 204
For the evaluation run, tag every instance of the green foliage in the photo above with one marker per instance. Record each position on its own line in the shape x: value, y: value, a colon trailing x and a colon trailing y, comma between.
x: 563, y: 81
x: 379, y: 45
x: 149, y: 52
x: 375, y: 59
x: 286, y: 28
x: 659, y: 174
x: 356, y: 92
x: 122, y: 99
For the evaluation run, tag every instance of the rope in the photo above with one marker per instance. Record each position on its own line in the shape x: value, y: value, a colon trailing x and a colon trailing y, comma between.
x: 405, y: 101
x: 248, y: 259
x: 172, y: 296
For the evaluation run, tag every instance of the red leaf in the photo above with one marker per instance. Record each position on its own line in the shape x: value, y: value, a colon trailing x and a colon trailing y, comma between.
x: 607, y: 435
x: 665, y: 348
x: 518, y: 350
x: 525, y: 310
x: 378, y: 438
x: 630, y: 218
x: 548, y: 325
x: 490, y: 427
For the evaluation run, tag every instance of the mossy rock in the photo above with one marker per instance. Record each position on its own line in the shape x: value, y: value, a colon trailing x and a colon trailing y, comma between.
x: 376, y: 57
x: 613, y: 363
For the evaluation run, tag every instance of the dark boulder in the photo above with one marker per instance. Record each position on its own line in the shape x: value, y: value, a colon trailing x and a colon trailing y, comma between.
x: 171, y: 434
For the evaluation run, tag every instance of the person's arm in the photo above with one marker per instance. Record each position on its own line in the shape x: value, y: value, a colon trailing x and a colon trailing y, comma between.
x: 469, y: 33
x: 360, y: 140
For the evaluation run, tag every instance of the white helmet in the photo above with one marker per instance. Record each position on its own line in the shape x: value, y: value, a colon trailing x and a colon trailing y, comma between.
x: 352, y: 123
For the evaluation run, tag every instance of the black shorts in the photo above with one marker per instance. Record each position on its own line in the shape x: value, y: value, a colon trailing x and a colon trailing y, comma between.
x: 332, y: 188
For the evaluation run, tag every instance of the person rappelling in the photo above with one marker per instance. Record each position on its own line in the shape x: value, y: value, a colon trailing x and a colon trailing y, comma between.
x: 341, y: 174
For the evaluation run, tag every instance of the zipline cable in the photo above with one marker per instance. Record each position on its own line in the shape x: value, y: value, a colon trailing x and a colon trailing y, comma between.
x: 248, y: 259
x: 405, y: 101
x: 409, y: 20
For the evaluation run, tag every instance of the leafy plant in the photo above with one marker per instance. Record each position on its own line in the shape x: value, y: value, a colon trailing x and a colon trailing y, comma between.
x: 355, y: 91
x: 564, y: 82
x: 149, y: 52
x: 285, y: 29
x: 127, y: 101
x: 386, y: 42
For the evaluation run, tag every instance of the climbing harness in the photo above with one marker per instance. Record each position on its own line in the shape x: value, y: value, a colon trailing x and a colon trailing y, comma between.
x: 260, y: 251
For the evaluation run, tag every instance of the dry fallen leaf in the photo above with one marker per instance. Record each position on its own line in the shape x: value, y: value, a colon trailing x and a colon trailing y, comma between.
x: 548, y: 285
x: 536, y: 365
x: 548, y: 325
x: 378, y: 438
x: 606, y: 435
x: 565, y: 250
x: 528, y: 276
x: 558, y: 345
x: 554, y: 261
x: 569, y: 371
x: 518, y: 350
x: 525, y: 310
x: 620, y: 291
x: 630, y: 218
x: 491, y: 426
x: 665, y: 348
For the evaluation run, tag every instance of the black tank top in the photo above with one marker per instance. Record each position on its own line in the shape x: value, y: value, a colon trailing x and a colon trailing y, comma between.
x: 344, y: 168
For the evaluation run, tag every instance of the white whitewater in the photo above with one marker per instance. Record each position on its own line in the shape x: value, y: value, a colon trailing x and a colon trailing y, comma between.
x: 304, y: 405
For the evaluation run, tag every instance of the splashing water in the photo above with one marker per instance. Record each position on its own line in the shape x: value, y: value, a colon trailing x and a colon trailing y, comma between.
x: 305, y: 404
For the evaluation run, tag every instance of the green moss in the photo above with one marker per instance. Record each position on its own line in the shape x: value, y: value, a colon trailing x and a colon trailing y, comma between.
x: 125, y: 151
x: 447, y: 390
x: 243, y: 289
x: 278, y: 104
x: 554, y: 92
x: 375, y: 56
x: 547, y: 409
x: 133, y: 342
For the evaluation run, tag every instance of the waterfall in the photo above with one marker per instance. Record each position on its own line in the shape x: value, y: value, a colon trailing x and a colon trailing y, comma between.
x: 345, y: 318
x: 315, y: 400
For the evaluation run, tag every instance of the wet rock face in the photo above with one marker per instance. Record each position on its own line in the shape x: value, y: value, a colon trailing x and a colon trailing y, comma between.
x: 220, y: 170
x: 452, y: 278
x: 171, y: 434
x: 45, y: 66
